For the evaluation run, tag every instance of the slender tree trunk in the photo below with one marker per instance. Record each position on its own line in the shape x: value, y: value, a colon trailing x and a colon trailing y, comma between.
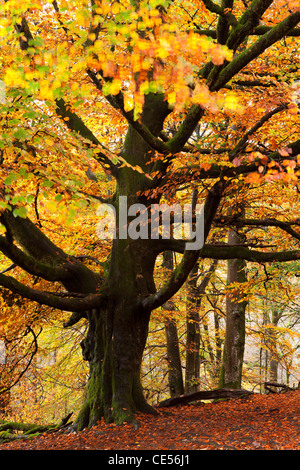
x: 273, y: 347
x: 192, y: 361
x: 175, y: 378
x: 233, y: 352
x: 218, y: 342
x: 4, y: 380
x: 4, y: 395
x: 193, y: 335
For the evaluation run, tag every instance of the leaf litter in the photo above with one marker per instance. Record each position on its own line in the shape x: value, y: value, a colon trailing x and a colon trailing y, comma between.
x: 257, y: 422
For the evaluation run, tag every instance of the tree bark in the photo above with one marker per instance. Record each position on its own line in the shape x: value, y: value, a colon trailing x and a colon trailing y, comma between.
x: 233, y: 352
x: 193, y: 335
x: 192, y: 355
x: 175, y: 377
x: 273, y: 346
x: 118, y: 332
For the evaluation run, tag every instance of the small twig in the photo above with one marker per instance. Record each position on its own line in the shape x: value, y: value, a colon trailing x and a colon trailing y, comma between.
x: 90, y: 258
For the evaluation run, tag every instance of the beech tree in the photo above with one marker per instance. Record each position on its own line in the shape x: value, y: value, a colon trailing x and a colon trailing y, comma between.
x: 157, y: 97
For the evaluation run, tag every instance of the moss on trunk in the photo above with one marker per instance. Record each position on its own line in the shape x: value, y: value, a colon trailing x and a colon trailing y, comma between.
x: 114, y: 348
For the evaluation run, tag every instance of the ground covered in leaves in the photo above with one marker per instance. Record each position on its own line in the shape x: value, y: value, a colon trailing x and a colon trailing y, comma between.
x: 258, y: 422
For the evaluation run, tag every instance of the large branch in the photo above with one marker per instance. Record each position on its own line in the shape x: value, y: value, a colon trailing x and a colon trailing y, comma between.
x: 224, y: 23
x: 224, y: 252
x: 33, y: 242
x: 72, y: 304
x: 248, y: 21
x: 204, y: 395
x: 241, y: 252
x: 223, y: 11
x: 32, y: 265
x: 41, y: 257
x: 254, y: 51
x: 286, y: 226
x: 186, y: 129
x: 259, y: 31
x: 76, y: 125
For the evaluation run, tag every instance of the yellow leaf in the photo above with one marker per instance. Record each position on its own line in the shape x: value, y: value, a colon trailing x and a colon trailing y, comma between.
x: 115, y: 86
x: 172, y: 98
x: 45, y: 92
x: 14, y: 78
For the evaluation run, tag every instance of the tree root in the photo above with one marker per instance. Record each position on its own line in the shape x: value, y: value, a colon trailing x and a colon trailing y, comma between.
x: 12, y: 430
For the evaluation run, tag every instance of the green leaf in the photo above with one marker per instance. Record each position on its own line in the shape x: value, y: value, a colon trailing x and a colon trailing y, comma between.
x: 37, y: 42
x: 30, y: 198
x: 22, y: 171
x: 21, y: 134
x: 14, y: 122
x: 47, y: 184
x: 11, y: 178
x: 30, y: 115
x: 20, y: 212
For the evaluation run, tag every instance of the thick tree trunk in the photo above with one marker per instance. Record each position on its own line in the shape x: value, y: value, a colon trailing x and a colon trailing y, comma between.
x: 114, y: 352
x: 175, y: 378
x: 116, y: 339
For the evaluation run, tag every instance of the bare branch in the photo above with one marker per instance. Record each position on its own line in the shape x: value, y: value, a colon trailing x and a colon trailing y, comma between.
x: 286, y: 226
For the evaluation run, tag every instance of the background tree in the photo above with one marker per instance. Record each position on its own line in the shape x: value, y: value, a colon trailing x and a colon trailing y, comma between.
x: 193, y: 335
x: 175, y: 375
x: 155, y: 76
x: 236, y: 302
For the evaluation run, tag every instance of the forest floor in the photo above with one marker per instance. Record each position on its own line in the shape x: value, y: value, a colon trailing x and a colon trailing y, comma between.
x: 257, y: 422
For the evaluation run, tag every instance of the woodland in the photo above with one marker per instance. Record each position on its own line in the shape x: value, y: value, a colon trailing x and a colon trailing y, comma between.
x: 159, y: 103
